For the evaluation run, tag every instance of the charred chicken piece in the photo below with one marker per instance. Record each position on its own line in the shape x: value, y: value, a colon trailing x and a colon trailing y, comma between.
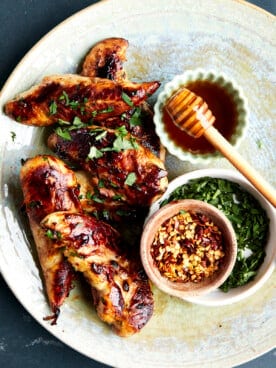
x: 48, y: 186
x: 123, y: 169
x: 139, y: 122
x: 109, y: 209
x: 64, y: 97
x: 105, y: 59
x: 120, y: 289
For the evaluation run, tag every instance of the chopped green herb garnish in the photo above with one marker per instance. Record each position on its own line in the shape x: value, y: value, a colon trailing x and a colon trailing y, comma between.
x: 135, y: 119
x: 134, y: 143
x: 107, y: 110
x: 101, y: 183
x: 182, y: 212
x: 248, y: 218
x: 76, y: 254
x: 63, y: 133
x: 124, y: 116
x: 127, y: 99
x: 131, y: 179
x: 63, y: 122
x: 103, y: 111
x: 77, y: 122
x: 106, y: 214
x: 13, y: 136
x: 113, y: 185
x: 121, y: 131
x: 96, y: 131
x: 53, y: 108
x: 259, y: 143
x: 94, y: 153
x: 74, y: 104
x: 65, y: 97
x: 88, y: 195
x: 49, y: 234
x: 117, y: 197
x: 122, y: 213
x: 121, y: 144
x: 101, y: 135
x: 53, y: 234
x: 123, y: 141
x: 96, y: 198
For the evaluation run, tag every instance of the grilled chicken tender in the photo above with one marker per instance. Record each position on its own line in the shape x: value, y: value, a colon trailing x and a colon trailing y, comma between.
x: 48, y: 186
x: 105, y: 59
x: 139, y: 122
x: 124, y: 169
x: 120, y: 289
x: 109, y: 209
x: 65, y: 97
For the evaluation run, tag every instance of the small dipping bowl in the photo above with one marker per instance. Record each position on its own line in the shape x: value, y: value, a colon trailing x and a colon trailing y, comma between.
x: 195, y: 284
x: 224, y: 98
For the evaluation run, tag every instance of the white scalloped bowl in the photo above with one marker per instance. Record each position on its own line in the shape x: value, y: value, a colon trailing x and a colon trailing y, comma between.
x: 179, y: 81
x: 218, y: 297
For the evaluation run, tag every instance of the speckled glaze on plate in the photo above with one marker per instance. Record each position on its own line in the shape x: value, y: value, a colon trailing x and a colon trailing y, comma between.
x: 166, y: 38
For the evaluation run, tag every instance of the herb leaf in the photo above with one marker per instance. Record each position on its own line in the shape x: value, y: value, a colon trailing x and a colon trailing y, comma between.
x: 63, y: 133
x: 64, y: 96
x: 131, y: 179
x: 135, y: 119
x: 13, y: 136
x: 94, y: 153
x: 53, y: 108
x: 53, y: 234
x: 127, y: 99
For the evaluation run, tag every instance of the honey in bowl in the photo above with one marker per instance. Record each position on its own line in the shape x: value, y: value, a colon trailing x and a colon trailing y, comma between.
x: 223, y: 108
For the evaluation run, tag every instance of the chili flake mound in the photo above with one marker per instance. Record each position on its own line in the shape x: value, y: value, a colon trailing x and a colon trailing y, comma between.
x: 187, y: 247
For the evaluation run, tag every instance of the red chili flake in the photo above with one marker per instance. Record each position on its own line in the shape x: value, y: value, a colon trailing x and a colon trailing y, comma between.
x: 187, y: 247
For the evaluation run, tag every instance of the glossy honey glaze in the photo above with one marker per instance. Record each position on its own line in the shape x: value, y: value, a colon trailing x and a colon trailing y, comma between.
x: 223, y: 108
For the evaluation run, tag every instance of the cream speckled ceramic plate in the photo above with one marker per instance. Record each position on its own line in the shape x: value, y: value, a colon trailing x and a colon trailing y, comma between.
x: 166, y: 37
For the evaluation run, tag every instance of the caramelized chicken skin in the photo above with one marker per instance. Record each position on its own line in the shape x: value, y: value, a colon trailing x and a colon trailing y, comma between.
x: 66, y: 240
x: 105, y: 59
x: 139, y: 123
x: 49, y: 185
x: 125, y: 169
x: 64, y: 97
x: 109, y: 133
x: 120, y: 289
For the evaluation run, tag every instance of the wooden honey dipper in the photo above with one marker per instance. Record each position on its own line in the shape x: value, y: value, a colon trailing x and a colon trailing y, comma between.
x: 191, y: 114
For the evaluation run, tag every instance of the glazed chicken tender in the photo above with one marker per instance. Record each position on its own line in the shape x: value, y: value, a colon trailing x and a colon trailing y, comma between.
x: 48, y: 185
x: 120, y: 288
x: 64, y: 97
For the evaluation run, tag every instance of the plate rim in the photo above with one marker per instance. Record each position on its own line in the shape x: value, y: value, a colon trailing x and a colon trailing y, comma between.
x: 2, y: 92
